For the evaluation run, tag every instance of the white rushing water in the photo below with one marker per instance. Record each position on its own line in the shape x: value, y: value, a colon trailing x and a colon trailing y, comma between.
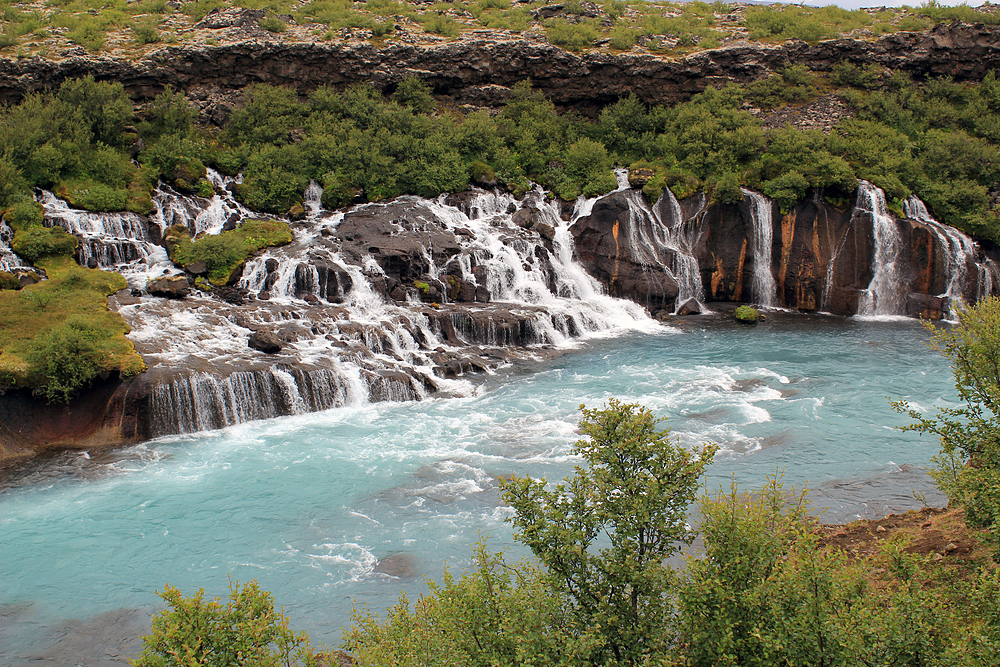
x: 970, y: 273
x: 885, y: 295
x: 765, y: 291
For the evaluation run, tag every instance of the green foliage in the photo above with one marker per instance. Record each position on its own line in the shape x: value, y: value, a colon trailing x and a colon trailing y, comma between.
x: 746, y: 314
x: 414, y: 94
x: 786, y: 189
x: 104, y: 107
x: 968, y: 468
x: 25, y: 213
x: 845, y: 73
x: 224, y: 253
x: 273, y: 24
x: 34, y: 242
x: 726, y: 189
x: 147, y: 31
x: 571, y: 36
x: 496, y: 614
x: 634, y: 492
x: 67, y: 358
x: 246, y: 630
x: 8, y: 281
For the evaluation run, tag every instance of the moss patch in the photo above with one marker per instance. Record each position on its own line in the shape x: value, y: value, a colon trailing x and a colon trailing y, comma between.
x: 747, y: 314
x: 58, y: 335
x: 224, y: 253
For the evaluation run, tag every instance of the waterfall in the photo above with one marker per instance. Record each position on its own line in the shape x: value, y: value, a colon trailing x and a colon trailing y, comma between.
x: 199, y: 214
x: 661, y: 241
x: 345, y: 338
x: 764, y: 288
x: 683, y: 238
x: 885, y: 294
x: 312, y: 200
x: 115, y: 241
x: 8, y: 260
x: 961, y: 254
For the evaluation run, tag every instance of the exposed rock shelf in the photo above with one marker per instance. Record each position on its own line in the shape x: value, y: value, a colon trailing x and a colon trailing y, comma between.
x: 478, y: 71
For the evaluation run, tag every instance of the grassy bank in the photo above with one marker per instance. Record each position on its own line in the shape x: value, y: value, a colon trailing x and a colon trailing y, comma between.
x: 672, y: 28
x: 58, y: 335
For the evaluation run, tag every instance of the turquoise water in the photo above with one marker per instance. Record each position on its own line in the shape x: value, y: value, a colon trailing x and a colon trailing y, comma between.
x: 308, y: 504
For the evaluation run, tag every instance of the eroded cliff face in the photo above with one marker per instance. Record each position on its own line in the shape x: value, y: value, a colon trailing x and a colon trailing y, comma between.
x: 478, y: 71
x: 821, y: 258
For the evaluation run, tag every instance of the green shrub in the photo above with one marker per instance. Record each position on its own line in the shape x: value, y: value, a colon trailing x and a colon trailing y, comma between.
x: 67, y: 358
x: 571, y: 36
x: 25, y: 213
x: 224, y: 253
x: 496, y: 614
x: 8, y: 281
x: 746, y: 314
x: 443, y: 25
x: 634, y: 493
x: 273, y: 24
x: 33, y: 243
x: 146, y: 31
x: 968, y: 467
x: 414, y: 94
x: 246, y: 630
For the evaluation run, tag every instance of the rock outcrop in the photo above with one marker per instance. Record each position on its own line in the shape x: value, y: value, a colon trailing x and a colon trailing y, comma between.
x: 478, y: 71
x: 822, y: 258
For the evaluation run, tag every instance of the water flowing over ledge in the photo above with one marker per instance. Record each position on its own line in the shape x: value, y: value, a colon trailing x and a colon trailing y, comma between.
x: 401, y: 300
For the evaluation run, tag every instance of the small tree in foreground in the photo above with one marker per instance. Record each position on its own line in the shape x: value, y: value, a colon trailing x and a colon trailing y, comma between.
x: 244, y: 631
x: 605, y: 533
x: 968, y: 468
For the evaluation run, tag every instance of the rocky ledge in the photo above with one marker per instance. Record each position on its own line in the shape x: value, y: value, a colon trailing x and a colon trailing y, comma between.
x: 478, y: 71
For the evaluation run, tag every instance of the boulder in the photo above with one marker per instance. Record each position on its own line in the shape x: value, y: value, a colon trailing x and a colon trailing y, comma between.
x: 198, y: 268
x: 170, y: 287
x: 264, y: 341
x: 689, y: 307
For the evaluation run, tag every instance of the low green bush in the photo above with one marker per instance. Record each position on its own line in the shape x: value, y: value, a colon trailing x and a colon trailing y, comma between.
x: 35, y: 242
x: 224, y: 253
x: 245, y: 630
x: 746, y: 314
x: 571, y: 36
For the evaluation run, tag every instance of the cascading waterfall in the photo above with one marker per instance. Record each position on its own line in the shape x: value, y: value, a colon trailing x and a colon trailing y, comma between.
x: 683, y: 237
x: 764, y: 287
x: 346, y: 342
x: 885, y: 294
x: 658, y: 239
x: 961, y: 253
x: 199, y: 214
x: 118, y: 241
x: 8, y: 260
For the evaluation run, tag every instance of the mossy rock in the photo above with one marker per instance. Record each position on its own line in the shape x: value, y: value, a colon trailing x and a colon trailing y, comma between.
x: 747, y: 315
x: 225, y: 254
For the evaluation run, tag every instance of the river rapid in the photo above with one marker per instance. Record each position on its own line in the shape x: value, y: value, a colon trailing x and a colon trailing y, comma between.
x: 309, y: 505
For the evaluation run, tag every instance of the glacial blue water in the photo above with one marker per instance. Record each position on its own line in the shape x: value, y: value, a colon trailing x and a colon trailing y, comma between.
x: 308, y: 504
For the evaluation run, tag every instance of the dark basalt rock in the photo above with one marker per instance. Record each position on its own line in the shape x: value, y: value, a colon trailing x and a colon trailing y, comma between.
x: 689, y: 307
x: 171, y: 287
x: 264, y: 341
x: 602, y: 247
x: 479, y: 71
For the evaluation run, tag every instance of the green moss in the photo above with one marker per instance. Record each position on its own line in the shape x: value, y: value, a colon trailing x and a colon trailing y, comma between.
x: 224, y: 253
x: 8, y: 280
x: 747, y: 314
x: 34, y: 242
x: 58, y: 335
x: 422, y: 286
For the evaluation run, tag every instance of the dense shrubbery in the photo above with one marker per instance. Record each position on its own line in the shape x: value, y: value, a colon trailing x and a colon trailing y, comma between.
x: 246, y: 630
x: 224, y: 253
x: 938, y: 140
x: 968, y: 468
x: 57, y: 336
x: 763, y: 591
